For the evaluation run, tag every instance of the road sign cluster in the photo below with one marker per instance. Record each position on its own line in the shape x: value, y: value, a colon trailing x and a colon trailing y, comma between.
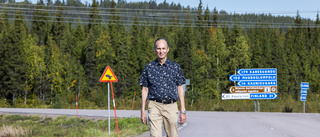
x: 253, y: 84
x: 304, y: 91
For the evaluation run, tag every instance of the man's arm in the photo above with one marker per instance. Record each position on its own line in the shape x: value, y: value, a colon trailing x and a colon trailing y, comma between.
x: 144, y: 96
x: 181, y: 98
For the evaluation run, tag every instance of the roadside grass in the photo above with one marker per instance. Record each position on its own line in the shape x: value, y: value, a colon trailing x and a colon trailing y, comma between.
x: 284, y: 103
x: 35, y: 126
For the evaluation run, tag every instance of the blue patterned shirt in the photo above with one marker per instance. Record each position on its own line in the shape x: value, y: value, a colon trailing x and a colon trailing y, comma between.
x: 162, y: 80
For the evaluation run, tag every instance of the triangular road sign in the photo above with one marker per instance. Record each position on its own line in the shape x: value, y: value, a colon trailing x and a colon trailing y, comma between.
x: 108, y: 76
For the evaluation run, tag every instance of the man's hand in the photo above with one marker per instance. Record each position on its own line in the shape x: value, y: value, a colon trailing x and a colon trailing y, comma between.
x: 183, y: 118
x: 144, y: 94
x: 143, y: 117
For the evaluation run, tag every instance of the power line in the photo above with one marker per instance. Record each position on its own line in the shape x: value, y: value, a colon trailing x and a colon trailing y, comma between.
x: 166, y: 25
x: 105, y: 11
x: 170, y: 19
x: 140, y: 17
x: 151, y: 10
x: 153, y: 21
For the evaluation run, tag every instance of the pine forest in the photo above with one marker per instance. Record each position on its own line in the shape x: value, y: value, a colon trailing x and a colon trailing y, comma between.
x: 54, y: 50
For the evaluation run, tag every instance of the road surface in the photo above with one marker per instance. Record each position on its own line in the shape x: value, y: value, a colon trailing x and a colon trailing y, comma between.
x: 217, y: 124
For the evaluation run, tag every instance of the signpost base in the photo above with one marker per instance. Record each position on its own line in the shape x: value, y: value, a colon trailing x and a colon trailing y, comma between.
x: 304, y: 107
x: 256, y: 106
x: 109, y: 109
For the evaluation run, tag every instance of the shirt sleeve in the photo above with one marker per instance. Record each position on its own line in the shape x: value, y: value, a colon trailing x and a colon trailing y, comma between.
x: 143, y: 81
x: 180, y: 77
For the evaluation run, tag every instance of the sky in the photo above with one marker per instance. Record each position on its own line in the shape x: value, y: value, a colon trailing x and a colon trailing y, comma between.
x: 307, y: 8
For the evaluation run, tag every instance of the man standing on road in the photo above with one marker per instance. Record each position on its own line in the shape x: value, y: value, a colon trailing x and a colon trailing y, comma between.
x: 160, y: 81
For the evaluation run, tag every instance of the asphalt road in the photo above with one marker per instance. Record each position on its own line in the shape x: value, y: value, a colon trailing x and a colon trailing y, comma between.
x: 217, y: 124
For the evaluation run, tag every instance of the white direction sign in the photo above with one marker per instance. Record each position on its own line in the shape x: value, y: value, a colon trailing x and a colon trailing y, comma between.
x: 226, y: 96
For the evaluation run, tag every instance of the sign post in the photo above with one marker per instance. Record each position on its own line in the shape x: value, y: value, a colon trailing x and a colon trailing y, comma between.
x: 109, y: 107
x: 108, y: 76
x: 255, y: 84
x: 303, y: 96
x: 134, y: 97
x: 77, y: 104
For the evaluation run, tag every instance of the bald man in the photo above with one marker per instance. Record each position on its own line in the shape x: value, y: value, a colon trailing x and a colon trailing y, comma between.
x: 161, y: 82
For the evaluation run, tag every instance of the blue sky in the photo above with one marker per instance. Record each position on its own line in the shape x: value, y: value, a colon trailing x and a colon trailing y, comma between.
x: 307, y: 8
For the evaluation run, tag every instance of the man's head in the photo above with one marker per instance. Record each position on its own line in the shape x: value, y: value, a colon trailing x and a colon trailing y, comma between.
x: 161, y: 47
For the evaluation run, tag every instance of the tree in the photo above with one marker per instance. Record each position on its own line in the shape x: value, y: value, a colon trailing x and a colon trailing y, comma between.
x: 280, y: 60
x: 78, y: 43
x: 94, y: 18
x: 215, y: 17
x: 218, y: 53
x: 186, y: 48
x: 3, y: 1
x: 172, y: 37
x: 57, y: 3
x: 59, y: 30
x: 293, y: 62
x: 240, y: 57
x: 127, y: 67
x: 145, y: 51
x: 34, y: 57
x: 317, y: 20
x: 239, y: 50
x: 4, y: 23
x: 13, y: 72
x: 90, y: 63
x: 40, y: 25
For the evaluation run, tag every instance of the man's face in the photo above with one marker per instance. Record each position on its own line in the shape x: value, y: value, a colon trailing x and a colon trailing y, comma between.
x: 161, y: 49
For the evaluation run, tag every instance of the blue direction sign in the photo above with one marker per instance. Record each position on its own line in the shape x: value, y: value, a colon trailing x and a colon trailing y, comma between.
x: 257, y: 83
x: 263, y: 96
x: 303, y: 97
x: 304, y: 85
x: 304, y: 91
x: 252, y: 77
x: 271, y: 71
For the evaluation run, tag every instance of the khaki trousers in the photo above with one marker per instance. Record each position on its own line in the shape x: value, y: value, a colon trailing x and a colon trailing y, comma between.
x: 166, y: 114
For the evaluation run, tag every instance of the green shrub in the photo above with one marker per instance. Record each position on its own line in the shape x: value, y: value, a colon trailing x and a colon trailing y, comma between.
x: 287, y: 109
x: 60, y: 120
x: 58, y: 103
x: 35, y: 118
x: 14, y: 118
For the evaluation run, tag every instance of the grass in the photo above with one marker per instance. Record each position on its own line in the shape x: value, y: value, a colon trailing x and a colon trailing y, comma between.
x: 13, y: 131
x: 284, y: 103
x: 35, y: 126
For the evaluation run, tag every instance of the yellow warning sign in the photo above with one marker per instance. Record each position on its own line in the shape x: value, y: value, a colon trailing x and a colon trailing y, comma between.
x: 108, y: 76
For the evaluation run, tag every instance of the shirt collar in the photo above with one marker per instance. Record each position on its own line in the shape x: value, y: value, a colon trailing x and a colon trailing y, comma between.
x: 164, y: 64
